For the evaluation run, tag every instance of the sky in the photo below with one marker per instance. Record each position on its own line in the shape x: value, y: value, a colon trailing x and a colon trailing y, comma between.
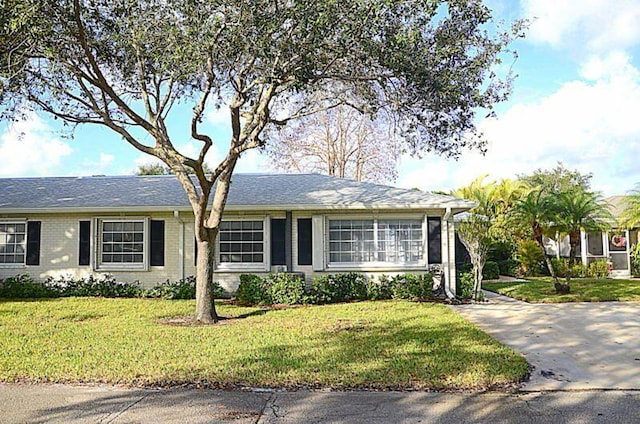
x: 576, y: 100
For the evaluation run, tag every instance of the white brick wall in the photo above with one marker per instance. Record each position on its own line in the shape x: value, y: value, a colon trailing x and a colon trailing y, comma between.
x: 59, y: 246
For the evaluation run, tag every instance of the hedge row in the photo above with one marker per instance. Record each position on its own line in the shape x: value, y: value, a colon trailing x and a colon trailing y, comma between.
x: 23, y: 287
x: 290, y: 289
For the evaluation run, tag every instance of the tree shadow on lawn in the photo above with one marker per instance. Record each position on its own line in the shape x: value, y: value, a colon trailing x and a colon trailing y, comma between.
x: 190, y: 320
x: 392, y: 355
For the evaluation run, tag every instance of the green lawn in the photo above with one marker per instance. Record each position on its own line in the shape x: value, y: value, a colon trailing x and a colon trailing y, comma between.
x: 541, y: 290
x: 390, y: 344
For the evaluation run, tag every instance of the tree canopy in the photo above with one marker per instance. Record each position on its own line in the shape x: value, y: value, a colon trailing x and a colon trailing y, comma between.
x: 426, y: 67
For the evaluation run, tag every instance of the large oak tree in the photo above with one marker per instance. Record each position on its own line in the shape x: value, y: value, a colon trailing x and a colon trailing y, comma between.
x: 426, y: 65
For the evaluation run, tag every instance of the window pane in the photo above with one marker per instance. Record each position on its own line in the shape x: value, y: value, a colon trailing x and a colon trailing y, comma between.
x: 396, y: 241
x: 12, y: 243
x: 594, y: 244
x: 120, y: 240
x: 244, y: 238
x: 619, y: 261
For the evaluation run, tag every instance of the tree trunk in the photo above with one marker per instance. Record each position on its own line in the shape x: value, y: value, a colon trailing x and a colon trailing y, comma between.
x: 477, y: 285
x: 538, y: 237
x: 560, y: 287
x: 574, y: 240
x: 205, y: 304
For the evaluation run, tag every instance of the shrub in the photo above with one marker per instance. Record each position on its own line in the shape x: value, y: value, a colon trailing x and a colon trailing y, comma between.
x: 335, y: 288
x: 635, y: 260
x: 181, y: 289
x: 561, y: 266
x: 491, y: 271
x: 104, y: 286
x: 413, y: 287
x: 23, y: 287
x: 531, y: 257
x: 465, y: 282
x: 288, y: 289
x: 500, y: 251
x: 509, y: 267
x: 464, y: 267
x: 253, y: 290
x: 381, y: 289
x: 598, y: 269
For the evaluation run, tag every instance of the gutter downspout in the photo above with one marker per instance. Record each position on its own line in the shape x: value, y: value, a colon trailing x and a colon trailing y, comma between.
x: 176, y: 215
x: 450, y: 259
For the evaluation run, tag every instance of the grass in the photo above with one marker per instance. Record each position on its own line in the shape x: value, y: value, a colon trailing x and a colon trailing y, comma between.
x: 541, y: 290
x: 358, y: 345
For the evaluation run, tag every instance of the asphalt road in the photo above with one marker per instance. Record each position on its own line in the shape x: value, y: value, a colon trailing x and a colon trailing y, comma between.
x: 71, y: 404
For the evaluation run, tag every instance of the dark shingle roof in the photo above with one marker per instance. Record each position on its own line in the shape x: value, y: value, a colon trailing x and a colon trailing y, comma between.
x: 248, y: 191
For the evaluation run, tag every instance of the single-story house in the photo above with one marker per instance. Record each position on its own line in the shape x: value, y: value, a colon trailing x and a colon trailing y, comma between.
x: 613, y: 246
x: 140, y: 228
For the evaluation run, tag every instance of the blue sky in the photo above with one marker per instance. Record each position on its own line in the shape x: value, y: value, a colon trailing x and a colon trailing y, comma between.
x: 576, y: 100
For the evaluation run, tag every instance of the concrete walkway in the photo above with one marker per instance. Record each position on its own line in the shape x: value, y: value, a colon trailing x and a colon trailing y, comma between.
x: 572, y: 346
x: 70, y: 404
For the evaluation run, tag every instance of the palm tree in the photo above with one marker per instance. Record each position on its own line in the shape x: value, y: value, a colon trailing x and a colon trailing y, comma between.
x: 537, y: 211
x: 630, y: 217
x: 580, y: 210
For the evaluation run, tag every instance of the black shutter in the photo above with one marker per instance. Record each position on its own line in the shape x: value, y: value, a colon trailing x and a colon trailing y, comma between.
x: 84, y: 249
x: 435, y: 240
x: 33, y: 243
x: 156, y: 252
x: 305, y: 241
x: 195, y: 251
x: 278, y: 235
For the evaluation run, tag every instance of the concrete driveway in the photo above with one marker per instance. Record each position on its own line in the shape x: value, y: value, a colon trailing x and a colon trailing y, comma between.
x: 572, y: 346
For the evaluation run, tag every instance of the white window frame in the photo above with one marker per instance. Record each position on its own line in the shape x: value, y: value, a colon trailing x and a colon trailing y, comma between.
x: 263, y: 266
x: 376, y: 265
x: 123, y: 266
x: 22, y: 264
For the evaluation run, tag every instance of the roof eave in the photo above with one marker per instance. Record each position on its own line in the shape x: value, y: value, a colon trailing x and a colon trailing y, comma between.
x: 456, y: 207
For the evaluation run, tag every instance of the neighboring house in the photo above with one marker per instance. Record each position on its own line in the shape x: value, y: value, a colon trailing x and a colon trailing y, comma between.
x: 613, y: 246
x: 141, y: 228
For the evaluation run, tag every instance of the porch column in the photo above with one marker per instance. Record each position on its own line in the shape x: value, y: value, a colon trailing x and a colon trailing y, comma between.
x: 449, y: 253
x: 583, y: 247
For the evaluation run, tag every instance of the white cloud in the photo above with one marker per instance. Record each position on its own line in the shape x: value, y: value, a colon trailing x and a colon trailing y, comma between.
x: 597, y: 25
x: 98, y: 166
x: 219, y: 117
x: 590, y: 125
x: 252, y: 161
x: 29, y: 148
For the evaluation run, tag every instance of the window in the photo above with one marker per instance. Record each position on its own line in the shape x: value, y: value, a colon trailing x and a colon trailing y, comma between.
x: 595, y: 246
x: 13, y: 240
x: 400, y: 241
x: 397, y: 241
x: 241, y: 242
x: 122, y: 243
x: 351, y: 241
